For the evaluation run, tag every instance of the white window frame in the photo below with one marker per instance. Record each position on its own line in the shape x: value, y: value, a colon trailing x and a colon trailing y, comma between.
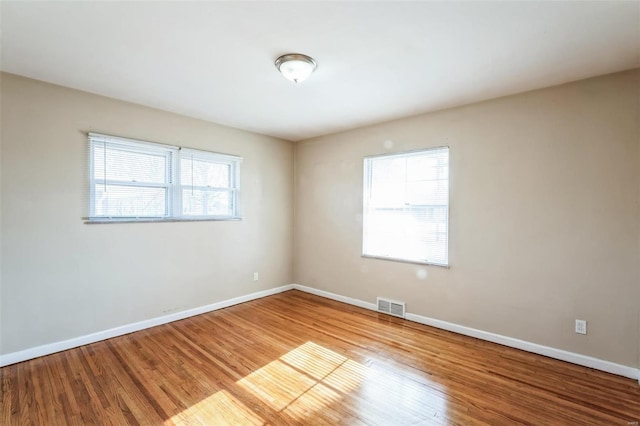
x: 367, y: 184
x: 213, y: 157
x: 173, y: 155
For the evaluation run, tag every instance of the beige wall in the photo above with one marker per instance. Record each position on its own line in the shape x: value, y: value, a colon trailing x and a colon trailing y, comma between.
x: 62, y: 278
x: 545, y: 191
x: 545, y: 218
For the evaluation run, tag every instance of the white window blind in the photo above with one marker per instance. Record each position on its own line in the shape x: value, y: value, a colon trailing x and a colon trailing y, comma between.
x: 406, y: 206
x: 133, y: 180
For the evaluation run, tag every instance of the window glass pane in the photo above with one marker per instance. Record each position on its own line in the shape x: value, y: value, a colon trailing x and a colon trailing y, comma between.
x: 391, y: 169
x: 406, y: 206
x: 198, y: 172
x: 409, y: 234
x: 206, y: 203
x: 129, y: 166
x: 387, y: 182
x: 427, y: 167
x: 131, y: 179
x: 426, y: 193
x: 130, y: 201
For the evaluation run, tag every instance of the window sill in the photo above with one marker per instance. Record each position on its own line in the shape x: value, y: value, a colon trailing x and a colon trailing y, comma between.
x: 101, y: 221
x: 415, y: 262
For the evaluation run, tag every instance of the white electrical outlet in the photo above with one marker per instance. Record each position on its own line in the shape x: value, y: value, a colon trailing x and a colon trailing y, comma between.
x: 255, y: 276
x: 581, y: 326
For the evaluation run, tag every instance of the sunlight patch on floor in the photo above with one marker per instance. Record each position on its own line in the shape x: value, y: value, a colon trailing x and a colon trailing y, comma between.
x: 310, y: 402
x: 277, y: 384
x: 304, y: 380
x: 299, y: 384
x: 314, y: 360
x: 417, y: 399
x: 347, y: 377
x: 221, y: 408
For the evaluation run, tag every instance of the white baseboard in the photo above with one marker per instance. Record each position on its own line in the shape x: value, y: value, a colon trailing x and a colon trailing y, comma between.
x: 574, y: 358
x: 584, y: 360
x: 27, y: 354
x: 338, y: 297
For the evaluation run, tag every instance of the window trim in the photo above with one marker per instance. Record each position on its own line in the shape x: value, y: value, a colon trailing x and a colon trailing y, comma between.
x: 367, y: 189
x: 234, y: 182
x: 173, y: 155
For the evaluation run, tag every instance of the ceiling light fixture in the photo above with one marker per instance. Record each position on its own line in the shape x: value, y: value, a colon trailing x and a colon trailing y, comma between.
x: 296, y: 66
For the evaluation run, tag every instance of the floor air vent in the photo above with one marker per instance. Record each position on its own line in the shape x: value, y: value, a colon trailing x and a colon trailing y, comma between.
x: 391, y: 307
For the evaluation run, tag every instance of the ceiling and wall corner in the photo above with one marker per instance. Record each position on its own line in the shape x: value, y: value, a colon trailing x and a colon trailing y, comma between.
x: 376, y: 60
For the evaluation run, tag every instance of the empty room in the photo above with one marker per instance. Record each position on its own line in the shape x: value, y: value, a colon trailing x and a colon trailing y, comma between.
x: 313, y: 212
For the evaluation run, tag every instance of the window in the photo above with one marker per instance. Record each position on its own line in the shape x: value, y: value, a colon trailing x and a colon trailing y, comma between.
x: 406, y: 206
x: 133, y: 180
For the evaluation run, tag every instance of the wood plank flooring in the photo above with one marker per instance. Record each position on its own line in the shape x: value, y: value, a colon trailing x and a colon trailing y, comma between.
x: 295, y: 358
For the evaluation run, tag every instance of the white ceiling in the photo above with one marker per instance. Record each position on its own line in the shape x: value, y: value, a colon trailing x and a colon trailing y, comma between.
x: 376, y: 60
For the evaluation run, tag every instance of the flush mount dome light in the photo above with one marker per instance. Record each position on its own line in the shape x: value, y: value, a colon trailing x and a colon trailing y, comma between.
x: 295, y: 66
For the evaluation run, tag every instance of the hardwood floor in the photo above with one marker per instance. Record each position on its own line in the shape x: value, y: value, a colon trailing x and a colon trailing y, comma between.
x: 295, y: 358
